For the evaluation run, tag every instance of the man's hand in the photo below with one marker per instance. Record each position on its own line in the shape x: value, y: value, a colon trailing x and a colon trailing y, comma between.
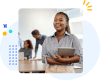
x: 34, y: 57
x: 25, y: 58
x: 57, y: 58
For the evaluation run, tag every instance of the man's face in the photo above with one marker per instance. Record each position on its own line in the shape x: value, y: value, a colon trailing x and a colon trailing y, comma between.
x: 36, y: 36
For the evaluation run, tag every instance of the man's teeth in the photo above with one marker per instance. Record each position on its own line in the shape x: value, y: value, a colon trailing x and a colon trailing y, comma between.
x: 57, y: 25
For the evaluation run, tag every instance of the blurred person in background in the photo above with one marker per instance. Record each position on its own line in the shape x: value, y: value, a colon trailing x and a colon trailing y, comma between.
x: 19, y: 42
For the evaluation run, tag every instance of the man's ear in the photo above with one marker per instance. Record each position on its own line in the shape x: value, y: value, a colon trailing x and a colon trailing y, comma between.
x: 39, y: 35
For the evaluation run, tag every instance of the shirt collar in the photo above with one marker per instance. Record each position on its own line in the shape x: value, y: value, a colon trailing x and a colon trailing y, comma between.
x: 66, y: 33
x: 40, y: 36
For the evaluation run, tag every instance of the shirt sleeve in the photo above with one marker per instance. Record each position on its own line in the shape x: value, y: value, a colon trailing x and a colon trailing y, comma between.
x: 36, y: 47
x: 78, y: 49
x: 44, y: 52
x: 35, y: 53
x: 45, y: 36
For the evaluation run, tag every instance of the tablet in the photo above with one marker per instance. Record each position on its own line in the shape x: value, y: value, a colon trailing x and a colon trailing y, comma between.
x: 63, y: 51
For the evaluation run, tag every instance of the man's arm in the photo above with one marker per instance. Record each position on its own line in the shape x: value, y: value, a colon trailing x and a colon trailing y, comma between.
x: 36, y: 47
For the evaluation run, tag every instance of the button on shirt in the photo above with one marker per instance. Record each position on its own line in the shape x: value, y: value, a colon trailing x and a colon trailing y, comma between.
x: 51, y: 44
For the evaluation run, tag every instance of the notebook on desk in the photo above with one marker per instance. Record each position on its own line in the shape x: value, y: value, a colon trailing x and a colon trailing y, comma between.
x: 21, y: 56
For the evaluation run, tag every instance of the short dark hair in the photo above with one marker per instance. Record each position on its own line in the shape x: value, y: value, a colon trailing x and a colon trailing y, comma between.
x: 35, y: 32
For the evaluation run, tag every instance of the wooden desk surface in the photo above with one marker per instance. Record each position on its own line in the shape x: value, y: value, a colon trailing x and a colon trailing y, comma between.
x: 31, y: 65
x: 34, y: 65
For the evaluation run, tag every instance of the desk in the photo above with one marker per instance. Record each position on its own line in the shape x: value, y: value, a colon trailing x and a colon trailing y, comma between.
x: 34, y: 65
x: 31, y: 66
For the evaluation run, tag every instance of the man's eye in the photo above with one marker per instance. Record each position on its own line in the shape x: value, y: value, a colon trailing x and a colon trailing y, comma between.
x: 54, y: 20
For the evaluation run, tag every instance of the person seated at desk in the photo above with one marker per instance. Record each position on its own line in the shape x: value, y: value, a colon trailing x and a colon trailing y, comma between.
x: 28, y: 47
x: 61, y: 38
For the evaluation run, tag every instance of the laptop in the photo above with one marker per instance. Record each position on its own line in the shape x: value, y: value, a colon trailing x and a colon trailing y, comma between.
x: 21, y: 56
x: 63, y: 51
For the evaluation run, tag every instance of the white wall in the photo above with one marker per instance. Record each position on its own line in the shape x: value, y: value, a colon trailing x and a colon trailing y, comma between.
x: 76, y: 26
x: 41, y: 19
x: 64, y: 9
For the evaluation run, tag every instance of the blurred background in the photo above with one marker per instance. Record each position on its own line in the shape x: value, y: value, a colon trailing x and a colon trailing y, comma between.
x: 42, y: 19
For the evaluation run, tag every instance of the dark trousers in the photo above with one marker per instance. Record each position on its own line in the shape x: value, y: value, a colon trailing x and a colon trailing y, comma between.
x: 42, y: 72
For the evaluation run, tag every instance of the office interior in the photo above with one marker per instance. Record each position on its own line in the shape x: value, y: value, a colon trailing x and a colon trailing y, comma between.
x: 42, y: 19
